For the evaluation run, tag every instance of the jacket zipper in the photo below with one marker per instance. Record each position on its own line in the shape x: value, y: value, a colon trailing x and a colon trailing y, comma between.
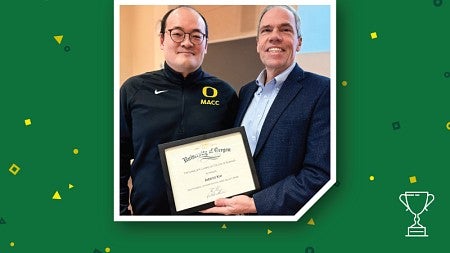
x: 181, y: 130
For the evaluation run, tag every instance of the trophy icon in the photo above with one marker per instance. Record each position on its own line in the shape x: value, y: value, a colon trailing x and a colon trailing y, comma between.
x: 416, y: 203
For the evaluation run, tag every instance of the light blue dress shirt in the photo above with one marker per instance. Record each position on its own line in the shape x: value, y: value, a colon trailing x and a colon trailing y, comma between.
x: 262, y: 101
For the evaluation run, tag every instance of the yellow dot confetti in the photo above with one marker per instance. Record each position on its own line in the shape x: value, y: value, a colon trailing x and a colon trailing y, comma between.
x: 107, y: 250
x: 224, y: 226
x: 27, y: 122
x: 56, y: 196
x: 373, y: 35
x: 412, y: 179
x: 311, y: 222
x: 12, y: 244
x: 448, y: 125
x: 58, y: 38
x: 344, y: 83
x: 371, y: 178
x: 269, y: 231
x: 75, y: 151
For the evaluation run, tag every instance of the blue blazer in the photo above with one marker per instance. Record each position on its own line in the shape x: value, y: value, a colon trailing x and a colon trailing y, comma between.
x: 292, y: 156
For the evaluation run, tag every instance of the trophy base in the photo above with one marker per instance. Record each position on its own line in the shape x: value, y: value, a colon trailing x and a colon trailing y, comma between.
x: 417, y: 232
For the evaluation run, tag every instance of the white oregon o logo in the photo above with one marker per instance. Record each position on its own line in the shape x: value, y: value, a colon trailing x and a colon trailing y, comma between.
x: 205, y: 92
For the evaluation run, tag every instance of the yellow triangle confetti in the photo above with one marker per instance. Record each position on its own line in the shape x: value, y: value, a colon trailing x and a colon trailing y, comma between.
x: 56, y: 195
x: 269, y: 231
x: 71, y: 186
x: 58, y: 38
x: 224, y: 226
x: 311, y: 222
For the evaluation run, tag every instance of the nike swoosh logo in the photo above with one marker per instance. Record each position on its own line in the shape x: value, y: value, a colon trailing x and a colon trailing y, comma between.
x: 160, y: 91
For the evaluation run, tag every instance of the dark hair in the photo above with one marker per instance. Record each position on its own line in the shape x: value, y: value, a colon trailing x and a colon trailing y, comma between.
x: 164, y: 19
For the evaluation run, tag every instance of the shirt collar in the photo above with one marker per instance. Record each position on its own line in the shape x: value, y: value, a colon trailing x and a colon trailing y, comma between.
x: 278, y: 80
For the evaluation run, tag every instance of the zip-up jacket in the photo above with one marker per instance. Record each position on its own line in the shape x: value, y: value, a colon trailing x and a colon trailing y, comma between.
x: 158, y: 107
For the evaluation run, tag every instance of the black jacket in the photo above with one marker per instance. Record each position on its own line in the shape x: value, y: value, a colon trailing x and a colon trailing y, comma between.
x: 158, y: 107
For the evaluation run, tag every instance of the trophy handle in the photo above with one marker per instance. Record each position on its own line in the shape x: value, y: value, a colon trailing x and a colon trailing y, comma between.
x: 428, y: 203
x: 404, y: 201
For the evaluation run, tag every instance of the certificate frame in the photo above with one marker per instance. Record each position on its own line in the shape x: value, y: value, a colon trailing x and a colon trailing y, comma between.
x: 184, y: 161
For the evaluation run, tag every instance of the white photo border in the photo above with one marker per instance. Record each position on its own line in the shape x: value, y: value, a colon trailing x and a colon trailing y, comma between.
x: 208, y: 218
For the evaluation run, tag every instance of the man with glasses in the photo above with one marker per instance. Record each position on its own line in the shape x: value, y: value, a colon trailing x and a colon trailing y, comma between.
x: 173, y: 103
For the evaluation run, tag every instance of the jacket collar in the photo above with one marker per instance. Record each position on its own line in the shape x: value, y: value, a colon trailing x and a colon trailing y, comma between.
x: 287, y: 93
x: 177, y: 78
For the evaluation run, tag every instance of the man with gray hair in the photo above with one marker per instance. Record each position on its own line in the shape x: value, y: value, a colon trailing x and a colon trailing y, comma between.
x: 286, y: 115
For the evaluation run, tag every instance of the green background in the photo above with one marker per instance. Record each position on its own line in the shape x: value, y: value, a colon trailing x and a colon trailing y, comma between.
x: 67, y: 92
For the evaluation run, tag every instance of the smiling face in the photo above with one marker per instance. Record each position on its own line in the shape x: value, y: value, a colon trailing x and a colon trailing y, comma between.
x: 184, y: 57
x: 277, y: 41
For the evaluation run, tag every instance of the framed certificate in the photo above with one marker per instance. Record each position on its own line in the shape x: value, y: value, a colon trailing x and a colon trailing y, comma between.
x: 201, y: 169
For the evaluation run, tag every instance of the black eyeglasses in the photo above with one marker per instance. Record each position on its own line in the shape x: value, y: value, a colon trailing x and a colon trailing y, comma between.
x: 178, y: 35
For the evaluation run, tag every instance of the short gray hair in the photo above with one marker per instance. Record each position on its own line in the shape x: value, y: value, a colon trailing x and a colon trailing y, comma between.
x: 287, y: 7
